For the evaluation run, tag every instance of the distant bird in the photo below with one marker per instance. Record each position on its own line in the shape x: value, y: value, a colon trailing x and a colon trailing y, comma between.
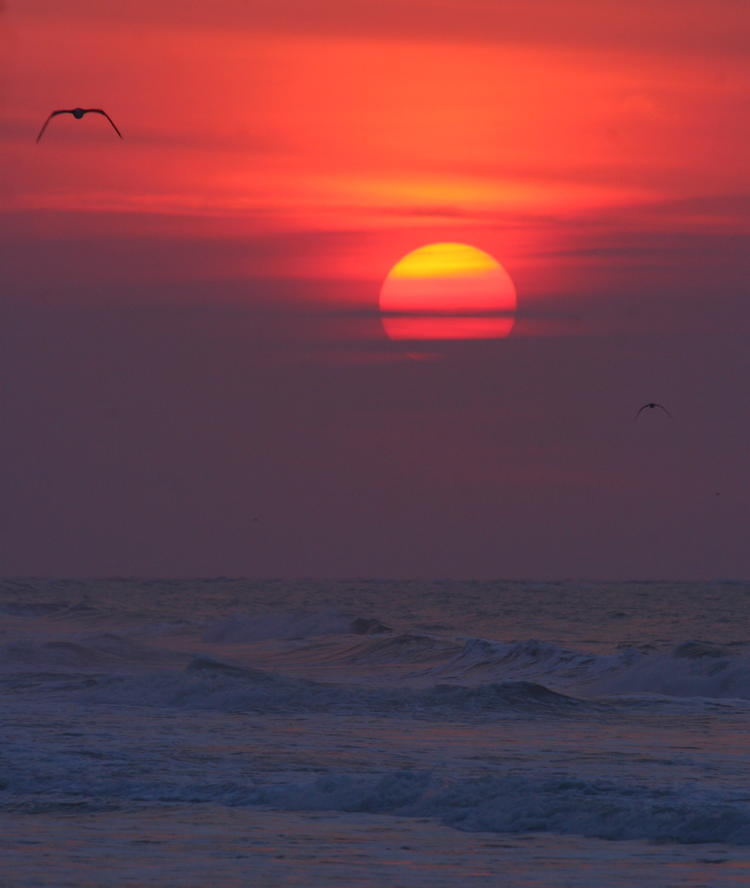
x: 651, y: 406
x: 78, y: 114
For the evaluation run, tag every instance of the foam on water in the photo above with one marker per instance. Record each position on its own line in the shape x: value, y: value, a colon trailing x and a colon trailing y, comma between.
x: 566, y: 804
x: 690, y: 669
x: 602, y: 809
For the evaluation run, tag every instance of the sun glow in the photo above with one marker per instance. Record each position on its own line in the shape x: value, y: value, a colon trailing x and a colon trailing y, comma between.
x: 448, y: 291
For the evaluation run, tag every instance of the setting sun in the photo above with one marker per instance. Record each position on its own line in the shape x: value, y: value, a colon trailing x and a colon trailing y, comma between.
x: 448, y: 291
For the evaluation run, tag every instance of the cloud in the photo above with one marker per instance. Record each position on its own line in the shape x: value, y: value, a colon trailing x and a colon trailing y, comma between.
x: 699, y: 26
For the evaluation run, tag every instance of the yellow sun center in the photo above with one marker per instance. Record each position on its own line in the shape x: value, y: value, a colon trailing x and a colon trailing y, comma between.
x: 448, y: 291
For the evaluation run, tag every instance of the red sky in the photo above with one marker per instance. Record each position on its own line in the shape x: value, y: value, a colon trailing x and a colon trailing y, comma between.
x: 189, y: 316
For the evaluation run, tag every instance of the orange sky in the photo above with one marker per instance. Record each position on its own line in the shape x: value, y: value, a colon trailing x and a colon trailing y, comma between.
x: 330, y: 116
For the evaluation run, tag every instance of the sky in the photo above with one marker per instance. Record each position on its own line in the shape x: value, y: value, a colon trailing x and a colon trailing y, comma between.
x: 194, y: 375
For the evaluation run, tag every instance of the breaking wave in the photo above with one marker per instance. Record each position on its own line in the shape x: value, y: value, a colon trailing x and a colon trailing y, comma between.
x: 206, y: 683
x: 512, y: 804
x: 690, y: 669
x: 565, y: 804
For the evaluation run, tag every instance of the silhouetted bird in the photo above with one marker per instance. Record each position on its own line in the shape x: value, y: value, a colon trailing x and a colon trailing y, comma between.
x: 78, y: 114
x: 651, y: 407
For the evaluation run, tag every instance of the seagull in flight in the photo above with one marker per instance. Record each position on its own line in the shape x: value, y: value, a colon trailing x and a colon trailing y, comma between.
x: 651, y: 406
x: 78, y: 114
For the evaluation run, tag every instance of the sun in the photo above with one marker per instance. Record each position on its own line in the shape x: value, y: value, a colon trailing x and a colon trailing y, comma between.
x: 448, y: 291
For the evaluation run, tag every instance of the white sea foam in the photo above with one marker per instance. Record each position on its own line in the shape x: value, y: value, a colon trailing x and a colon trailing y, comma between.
x: 690, y: 669
x: 605, y: 808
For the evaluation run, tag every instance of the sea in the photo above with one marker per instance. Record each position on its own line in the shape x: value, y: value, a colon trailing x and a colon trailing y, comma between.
x: 224, y: 732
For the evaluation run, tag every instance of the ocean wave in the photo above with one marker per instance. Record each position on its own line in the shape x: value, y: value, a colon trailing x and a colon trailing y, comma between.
x: 516, y: 696
x: 289, y: 625
x: 404, y: 648
x: 480, y: 658
x: 207, y: 683
x: 689, y: 669
x: 96, y: 651
x: 498, y: 803
x: 33, y: 608
x: 513, y: 804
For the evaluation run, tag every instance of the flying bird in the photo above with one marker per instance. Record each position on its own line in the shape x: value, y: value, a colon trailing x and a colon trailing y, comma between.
x: 651, y: 406
x: 78, y: 114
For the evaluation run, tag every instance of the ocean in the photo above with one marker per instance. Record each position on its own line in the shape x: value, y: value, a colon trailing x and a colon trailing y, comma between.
x: 227, y: 732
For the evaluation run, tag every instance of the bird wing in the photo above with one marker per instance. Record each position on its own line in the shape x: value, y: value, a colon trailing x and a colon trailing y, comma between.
x: 646, y: 406
x: 53, y: 114
x: 104, y: 114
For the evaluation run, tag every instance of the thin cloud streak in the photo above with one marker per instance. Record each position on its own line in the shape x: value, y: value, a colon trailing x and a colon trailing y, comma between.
x: 702, y: 27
